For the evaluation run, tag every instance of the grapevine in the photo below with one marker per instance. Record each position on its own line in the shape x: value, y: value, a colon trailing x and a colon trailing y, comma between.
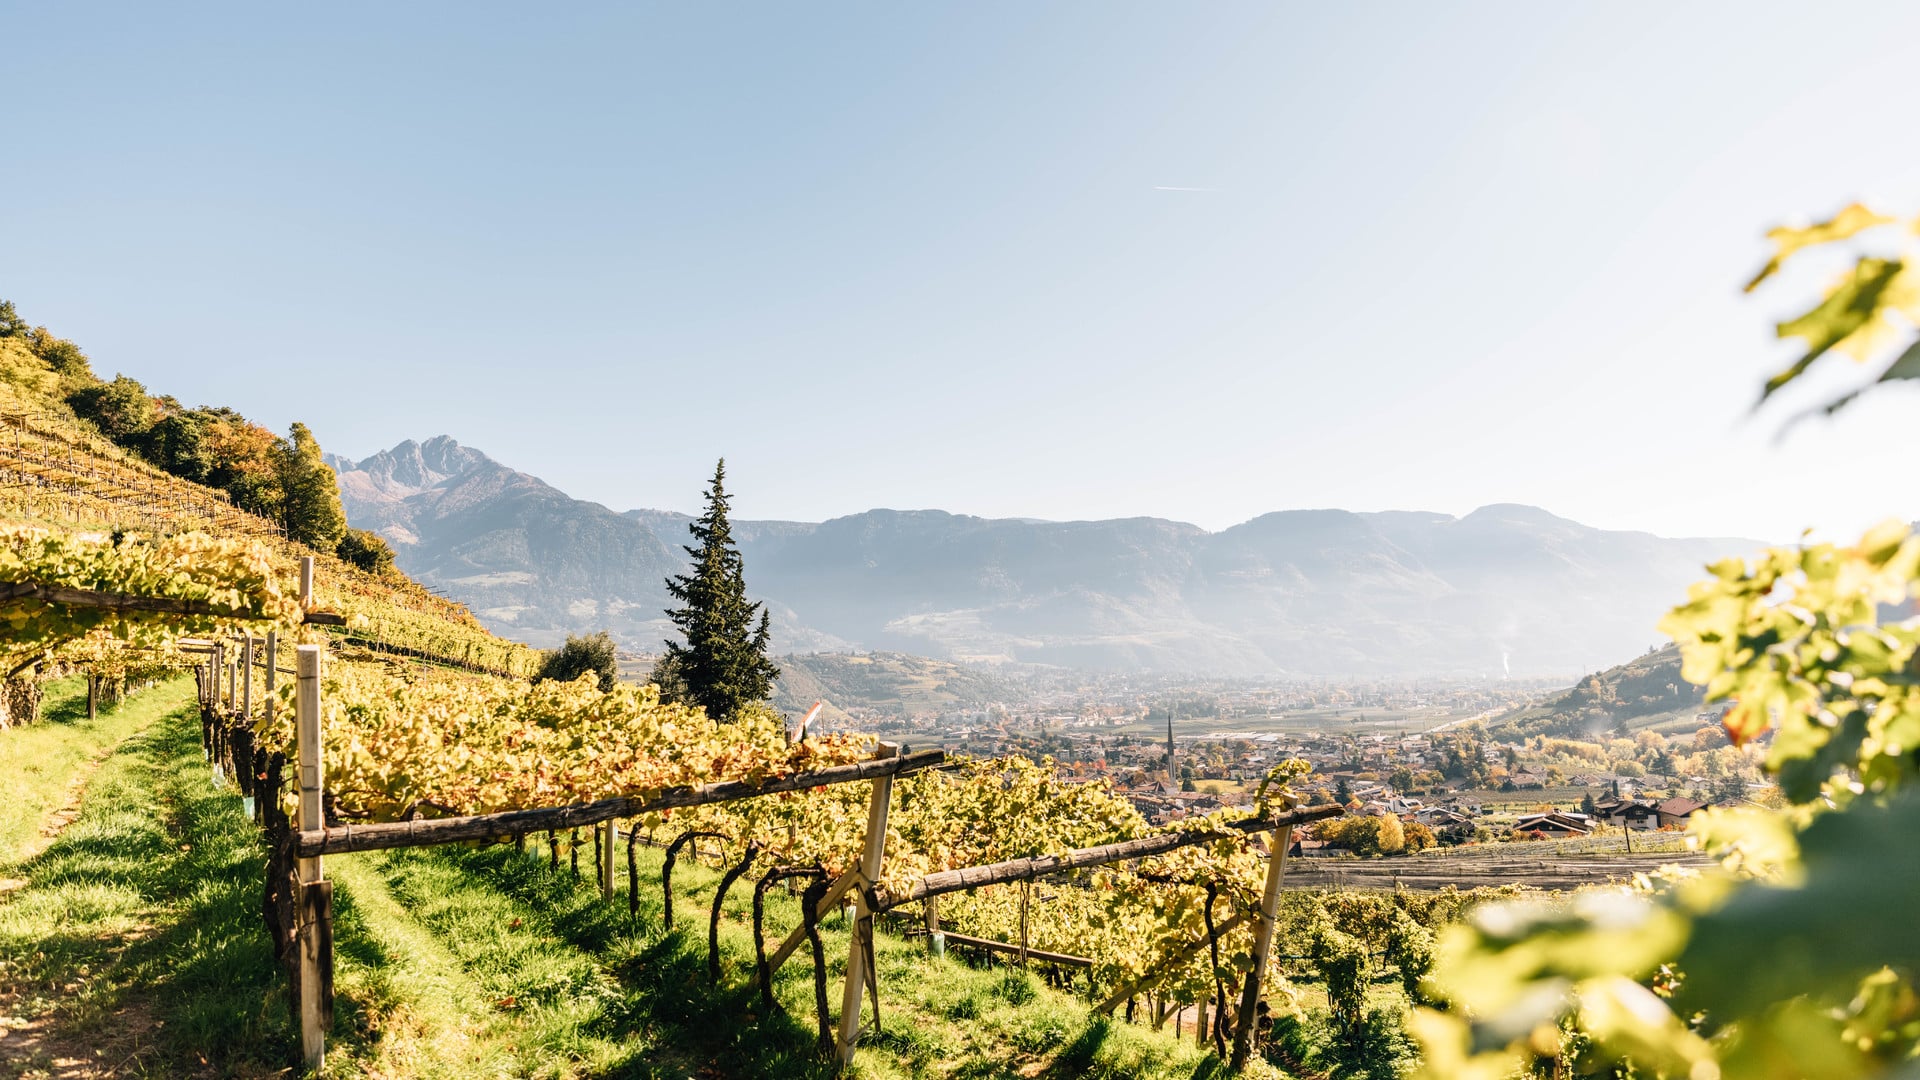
x: 234, y: 577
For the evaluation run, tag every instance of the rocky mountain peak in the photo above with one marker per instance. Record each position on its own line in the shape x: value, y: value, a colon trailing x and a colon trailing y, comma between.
x: 412, y: 467
x: 1323, y: 592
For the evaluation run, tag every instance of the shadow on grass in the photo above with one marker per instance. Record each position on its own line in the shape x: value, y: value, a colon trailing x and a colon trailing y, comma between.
x: 662, y: 978
x: 64, y: 701
x: 156, y: 885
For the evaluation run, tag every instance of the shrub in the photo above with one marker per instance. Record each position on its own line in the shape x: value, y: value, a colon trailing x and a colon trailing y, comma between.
x: 366, y: 550
x: 580, y: 655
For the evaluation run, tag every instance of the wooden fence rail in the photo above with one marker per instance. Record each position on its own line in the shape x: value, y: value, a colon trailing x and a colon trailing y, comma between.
x: 340, y: 839
x: 971, y: 877
x: 228, y: 693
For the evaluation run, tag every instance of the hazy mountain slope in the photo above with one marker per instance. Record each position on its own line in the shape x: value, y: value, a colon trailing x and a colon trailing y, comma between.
x: 895, y: 682
x: 527, y: 558
x: 1305, y: 591
x: 1645, y: 691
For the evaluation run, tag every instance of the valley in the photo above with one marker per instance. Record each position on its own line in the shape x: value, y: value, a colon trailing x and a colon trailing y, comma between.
x: 1292, y: 594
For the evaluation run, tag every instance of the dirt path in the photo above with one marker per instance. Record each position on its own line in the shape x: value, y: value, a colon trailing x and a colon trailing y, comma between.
x: 59, y: 819
x: 76, y: 1000
x: 40, y: 1047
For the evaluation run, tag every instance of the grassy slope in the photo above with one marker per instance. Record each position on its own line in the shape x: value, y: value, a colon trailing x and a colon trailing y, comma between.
x: 138, y: 947
x: 39, y: 762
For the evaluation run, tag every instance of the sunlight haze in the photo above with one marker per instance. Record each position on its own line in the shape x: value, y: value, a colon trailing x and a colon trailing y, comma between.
x: 1060, y: 261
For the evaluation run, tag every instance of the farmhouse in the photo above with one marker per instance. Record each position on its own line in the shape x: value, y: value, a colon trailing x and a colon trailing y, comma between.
x: 1439, y: 817
x: 1676, y: 811
x: 1555, y: 824
x: 1631, y: 813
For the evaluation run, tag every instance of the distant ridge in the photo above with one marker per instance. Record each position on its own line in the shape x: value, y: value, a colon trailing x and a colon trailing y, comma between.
x: 1304, y: 592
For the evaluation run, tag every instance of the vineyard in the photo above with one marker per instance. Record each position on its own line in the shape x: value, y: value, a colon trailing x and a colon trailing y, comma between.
x: 337, y: 749
x: 419, y: 733
x: 352, y: 713
x: 801, y: 891
x: 1537, y: 866
x: 502, y: 762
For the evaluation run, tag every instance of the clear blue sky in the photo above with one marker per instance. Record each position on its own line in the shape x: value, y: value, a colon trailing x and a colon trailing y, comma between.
x: 1011, y: 259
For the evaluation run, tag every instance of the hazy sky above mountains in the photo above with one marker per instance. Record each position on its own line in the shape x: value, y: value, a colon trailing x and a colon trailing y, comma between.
x: 1047, y: 260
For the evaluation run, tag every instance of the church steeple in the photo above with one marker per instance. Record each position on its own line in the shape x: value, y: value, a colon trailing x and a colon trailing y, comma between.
x: 1173, y: 780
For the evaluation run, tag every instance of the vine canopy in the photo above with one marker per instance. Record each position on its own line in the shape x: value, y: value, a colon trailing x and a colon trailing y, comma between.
x: 57, y: 589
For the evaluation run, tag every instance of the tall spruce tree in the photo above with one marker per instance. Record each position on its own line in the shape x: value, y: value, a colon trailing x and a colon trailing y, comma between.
x: 724, y: 659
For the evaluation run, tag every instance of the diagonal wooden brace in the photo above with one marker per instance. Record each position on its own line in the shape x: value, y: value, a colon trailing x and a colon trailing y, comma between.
x: 835, y: 893
x: 1168, y: 965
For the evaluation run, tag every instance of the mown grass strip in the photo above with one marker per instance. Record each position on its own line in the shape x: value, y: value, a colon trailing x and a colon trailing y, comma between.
x: 39, y: 762
x: 942, y: 1017
x: 137, y: 949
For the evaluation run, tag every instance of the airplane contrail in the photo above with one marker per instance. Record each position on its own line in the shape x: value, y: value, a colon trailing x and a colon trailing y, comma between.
x: 1162, y: 187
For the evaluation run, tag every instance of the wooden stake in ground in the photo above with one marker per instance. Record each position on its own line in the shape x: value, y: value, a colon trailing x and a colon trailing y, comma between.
x: 1026, y: 893
x: 860, y: 949
x: 606, y: 861
x: 260, y: 798
x: 931, y: 906
x: 1262, y: 946
x: 315, y: 901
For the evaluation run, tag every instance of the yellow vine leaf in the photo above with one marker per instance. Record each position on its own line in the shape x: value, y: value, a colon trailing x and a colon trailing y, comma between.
x: 1850, y: 317
x: 1788, y: 240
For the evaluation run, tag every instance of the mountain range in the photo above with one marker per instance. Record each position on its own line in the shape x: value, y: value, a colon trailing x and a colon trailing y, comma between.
x: 1296, y: 592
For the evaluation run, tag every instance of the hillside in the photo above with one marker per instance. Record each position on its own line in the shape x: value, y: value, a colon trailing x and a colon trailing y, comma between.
x: 1644, y: 692
x: 60, y: 471
x: 895, y: 683
x: 1308, y: 592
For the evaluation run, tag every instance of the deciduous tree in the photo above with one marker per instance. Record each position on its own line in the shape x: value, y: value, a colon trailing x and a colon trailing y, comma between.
x: 310, y: 493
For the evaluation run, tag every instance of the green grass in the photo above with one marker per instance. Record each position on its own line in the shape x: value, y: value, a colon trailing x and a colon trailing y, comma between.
x: 137, y: 944
x: 39, y: 761
x: 138, y: 947
x: 595, y: 992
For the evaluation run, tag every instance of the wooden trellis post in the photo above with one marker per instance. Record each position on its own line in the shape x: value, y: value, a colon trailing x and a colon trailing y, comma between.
x: 860, y: 949
x: 606, y: 835
x: 930, y: 907
x: 260, y: 798
x: 246, y: 681
x: 1279, y: 840
x: 314, y: 922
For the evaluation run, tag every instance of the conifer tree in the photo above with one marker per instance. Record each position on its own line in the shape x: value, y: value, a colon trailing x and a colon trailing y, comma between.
x: 724, y: 658
x: 310, y: 499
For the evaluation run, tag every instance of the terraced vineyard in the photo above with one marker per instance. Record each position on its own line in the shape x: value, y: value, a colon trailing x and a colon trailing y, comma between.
x: 1486, y: 865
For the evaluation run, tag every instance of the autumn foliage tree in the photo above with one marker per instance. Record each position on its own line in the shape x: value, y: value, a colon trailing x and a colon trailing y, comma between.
x: 310, y: 493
